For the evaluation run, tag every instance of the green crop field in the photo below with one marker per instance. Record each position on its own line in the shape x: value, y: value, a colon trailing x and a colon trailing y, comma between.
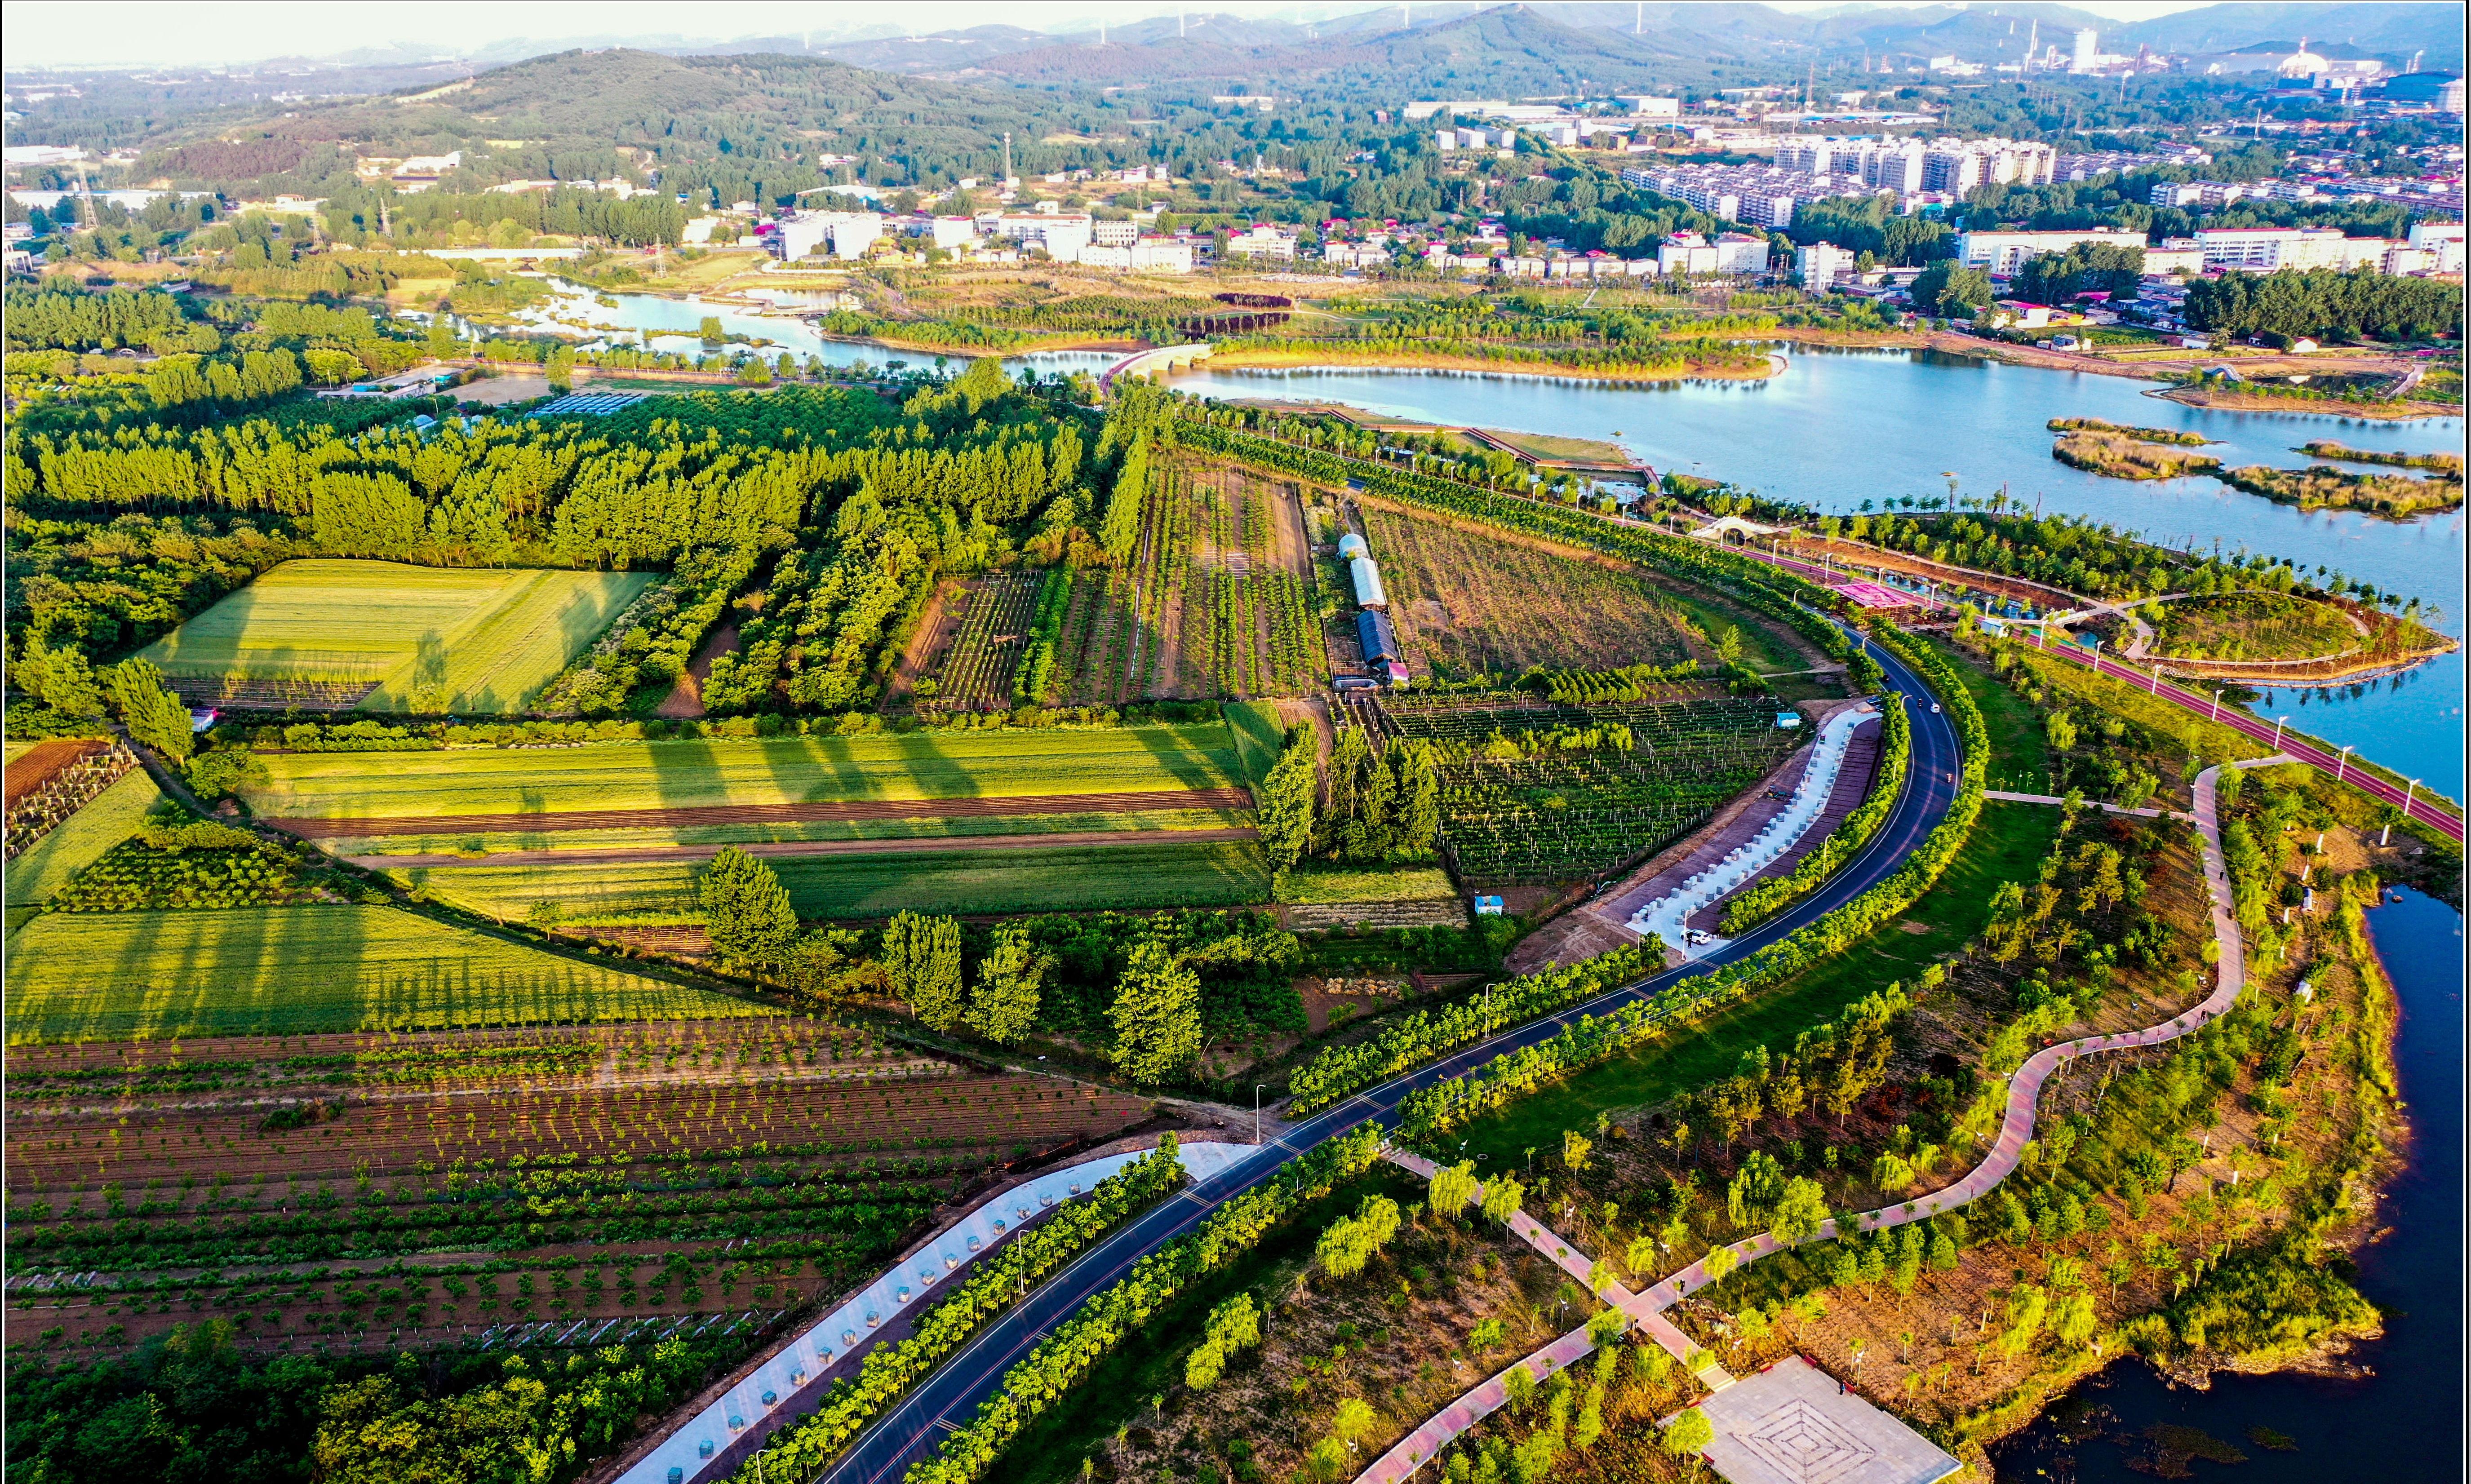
x: 120, y: 976
x: 741, y: 772
x: 770, y: 832
x: 77, y: 840
x: 414, y: 637
x: 1073, y: 878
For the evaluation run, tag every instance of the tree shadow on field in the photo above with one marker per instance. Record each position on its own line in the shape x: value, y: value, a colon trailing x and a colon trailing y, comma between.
x: 1187, y: 762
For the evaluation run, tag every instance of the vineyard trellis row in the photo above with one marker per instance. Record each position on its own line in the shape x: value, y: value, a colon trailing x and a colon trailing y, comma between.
x: 1656, y: 770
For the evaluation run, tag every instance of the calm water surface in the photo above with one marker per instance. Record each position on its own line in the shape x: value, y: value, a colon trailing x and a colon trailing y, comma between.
x: 1839, y: 428
x: 2402, y: 1424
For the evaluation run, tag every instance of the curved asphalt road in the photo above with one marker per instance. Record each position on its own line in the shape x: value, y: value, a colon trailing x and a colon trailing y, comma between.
x: 947, y: 1400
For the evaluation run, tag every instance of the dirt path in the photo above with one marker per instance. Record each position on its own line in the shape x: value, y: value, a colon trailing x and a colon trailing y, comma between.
x: 770, y: 813
x: 685, y: 699
x: 933, y: 632
x: 913, y: 846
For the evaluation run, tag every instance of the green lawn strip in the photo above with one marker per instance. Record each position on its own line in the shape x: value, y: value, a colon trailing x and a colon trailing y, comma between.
x: 1321, y: 887
x: 1763, y: 648
x: 1073, y: 878
x: 79, y: 840
x: 1113, y: 1391
x: 766, y: 832
x: 261, y: 970
x: 520, y: 644
x: 2007, y: 844
x: 2020, y: 753
x: 720, y: 772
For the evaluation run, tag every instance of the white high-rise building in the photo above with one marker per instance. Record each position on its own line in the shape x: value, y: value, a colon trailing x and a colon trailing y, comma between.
x: 1820, y: 263
x: 2085, y: 57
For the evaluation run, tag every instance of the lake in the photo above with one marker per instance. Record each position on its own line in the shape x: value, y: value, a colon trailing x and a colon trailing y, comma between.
x: 2406, y: 1416
x: 1838, y: 428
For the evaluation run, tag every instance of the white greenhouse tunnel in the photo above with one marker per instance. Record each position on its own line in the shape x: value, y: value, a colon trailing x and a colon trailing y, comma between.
x: 1667, y: 918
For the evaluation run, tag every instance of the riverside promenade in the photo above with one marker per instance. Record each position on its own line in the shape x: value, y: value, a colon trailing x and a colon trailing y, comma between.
x: 1646, y: 1311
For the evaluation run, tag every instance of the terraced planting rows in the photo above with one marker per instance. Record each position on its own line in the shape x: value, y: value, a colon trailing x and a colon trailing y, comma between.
x: 266, y: 969
x: 1537, y: 793
x: 1227, y: 873
x: 1467, y: 603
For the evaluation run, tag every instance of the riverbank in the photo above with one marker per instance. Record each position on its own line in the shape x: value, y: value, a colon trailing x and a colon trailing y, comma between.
x: 2229, y: 401
x: 1321, y: 357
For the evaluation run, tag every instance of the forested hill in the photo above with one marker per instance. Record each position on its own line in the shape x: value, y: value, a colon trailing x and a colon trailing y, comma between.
x: 736, y: 104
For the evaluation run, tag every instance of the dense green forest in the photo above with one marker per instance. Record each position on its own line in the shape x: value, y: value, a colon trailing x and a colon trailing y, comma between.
x: 850, y: 501
x: 2360, y: 304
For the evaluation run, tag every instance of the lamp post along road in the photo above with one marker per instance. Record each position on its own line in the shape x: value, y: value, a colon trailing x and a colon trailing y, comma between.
x: 2278, y: 732
x: 2342, y: 761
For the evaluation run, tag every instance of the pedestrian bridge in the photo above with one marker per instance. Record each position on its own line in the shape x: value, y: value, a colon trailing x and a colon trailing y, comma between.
x: 1158, y: 358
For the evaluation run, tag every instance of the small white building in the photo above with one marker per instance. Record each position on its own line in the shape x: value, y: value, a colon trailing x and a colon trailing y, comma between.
x: 1732, y: 252
x: 1263, y: 240
x: 844, y: 234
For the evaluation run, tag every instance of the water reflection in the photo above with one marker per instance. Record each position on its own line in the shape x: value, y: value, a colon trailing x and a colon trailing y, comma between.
x: 1844, y: 426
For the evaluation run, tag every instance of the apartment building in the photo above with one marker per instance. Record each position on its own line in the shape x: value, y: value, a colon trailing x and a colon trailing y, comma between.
x: 2003, y: 253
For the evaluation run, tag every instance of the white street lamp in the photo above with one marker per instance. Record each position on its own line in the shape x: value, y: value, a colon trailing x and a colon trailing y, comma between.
x: 2217, y: 714
x: 2278, y: 732
x: 2340, y: 761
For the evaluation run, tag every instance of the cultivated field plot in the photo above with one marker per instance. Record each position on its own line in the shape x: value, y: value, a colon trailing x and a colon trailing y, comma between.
x: 910, y: 826
x: 1534, y: 793
x: 118, y: 976
x: 1217, y: 601
x: 383, y: 636
x: 974, y: 670
x: 1064, y: 878
x: 79, y: 840
x: 1466, y: 604
x: 751, y: 773
x: 1245, y: 624
x: 637, y: 1177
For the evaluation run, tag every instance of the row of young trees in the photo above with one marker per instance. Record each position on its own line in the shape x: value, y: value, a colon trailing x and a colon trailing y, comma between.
x: 891, y: 1369
x: 1155, y: 1012
x: 1339, y: 1072
x: 1110, y: 1317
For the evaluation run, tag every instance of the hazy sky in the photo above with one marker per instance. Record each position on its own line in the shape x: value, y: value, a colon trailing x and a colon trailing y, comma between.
x: 156, y: 33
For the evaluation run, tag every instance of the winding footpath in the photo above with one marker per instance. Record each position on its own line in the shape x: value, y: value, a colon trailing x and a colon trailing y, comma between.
x: 911, y: 1428
x: 1646, y: 1311
x: 2417, y: 804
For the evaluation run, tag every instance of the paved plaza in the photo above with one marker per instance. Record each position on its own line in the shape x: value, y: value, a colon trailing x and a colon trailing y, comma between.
x: 1791, y: 1424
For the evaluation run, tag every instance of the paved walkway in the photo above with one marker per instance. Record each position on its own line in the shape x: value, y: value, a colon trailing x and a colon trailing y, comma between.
x: 1646, y: 1311
x: 2108, y: 808
x: 2418, y: 806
